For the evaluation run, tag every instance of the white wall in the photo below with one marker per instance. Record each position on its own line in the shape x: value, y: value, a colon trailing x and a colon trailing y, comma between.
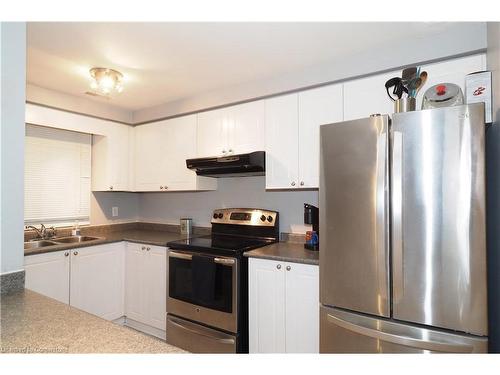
x: 232, y: 192
x: 101, y: 204
x: 463, y: 38
x: 52, y: 98
x: 13, y: 83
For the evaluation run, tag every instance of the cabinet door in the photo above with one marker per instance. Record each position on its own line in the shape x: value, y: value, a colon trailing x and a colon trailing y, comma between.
x: 178, y: 139
x: 156, y: 286
x: 366, y: 96
x: 149, y: 153
x: 320, y: 106
x: 135, y: 282
x: 302, y: 308
x: 246, y: 127
x: 212, y: 133
x: 110, y: 159
x: 97, y: 280
x: 266, y: 306
x: 48, y: 274
x: 282, y: 134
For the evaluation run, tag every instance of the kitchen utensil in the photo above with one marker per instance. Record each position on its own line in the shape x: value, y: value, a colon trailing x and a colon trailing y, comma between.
x: 393, y: 82
x: 423, y: 79
x: 408, y: 74
x: 443, y: 95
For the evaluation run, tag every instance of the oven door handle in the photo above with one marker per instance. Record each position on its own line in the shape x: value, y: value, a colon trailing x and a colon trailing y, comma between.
x: 178, y: 324
x: 223, y: 261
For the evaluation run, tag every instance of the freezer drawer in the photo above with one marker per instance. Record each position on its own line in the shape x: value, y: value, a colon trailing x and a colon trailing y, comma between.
x: 438, y: 218
x: 196, y: 338
x: 346, y: 332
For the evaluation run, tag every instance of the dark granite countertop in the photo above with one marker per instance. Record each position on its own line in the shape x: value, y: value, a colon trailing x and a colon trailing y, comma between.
x: 146, y: 236
x: 286, y: 252
x: 32, y: 323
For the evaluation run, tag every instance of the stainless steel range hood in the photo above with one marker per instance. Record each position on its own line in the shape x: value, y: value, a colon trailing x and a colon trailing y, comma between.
x: 242, y: 165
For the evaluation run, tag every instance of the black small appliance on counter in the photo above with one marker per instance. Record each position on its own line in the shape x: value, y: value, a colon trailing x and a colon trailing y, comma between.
x: 311, y: 216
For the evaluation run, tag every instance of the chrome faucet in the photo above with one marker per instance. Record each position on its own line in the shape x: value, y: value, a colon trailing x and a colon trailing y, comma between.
x: 44, y: 232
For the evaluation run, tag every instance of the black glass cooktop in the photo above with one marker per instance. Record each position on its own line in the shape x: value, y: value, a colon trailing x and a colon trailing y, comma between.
x: 227, y: 244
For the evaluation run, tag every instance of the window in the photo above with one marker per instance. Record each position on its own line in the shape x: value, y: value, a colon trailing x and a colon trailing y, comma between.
x: 56, y: 176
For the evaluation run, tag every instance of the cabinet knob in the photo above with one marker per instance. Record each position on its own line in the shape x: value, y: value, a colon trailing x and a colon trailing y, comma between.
x: 230, y: 150
x: 111, y: 188
x: 288, y: 268
x: 143, y: 248
x: 224, y: 151
x: 301, y: 183
x: 278, y: 266
x: 161, y: 187
x: 165, y: 187
x: 148, y: 248
x: 293, y: 183
x: 66, y: 254
x: 75, y: 252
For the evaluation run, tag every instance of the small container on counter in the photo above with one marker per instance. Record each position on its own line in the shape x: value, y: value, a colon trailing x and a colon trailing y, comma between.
x: 186, y: 226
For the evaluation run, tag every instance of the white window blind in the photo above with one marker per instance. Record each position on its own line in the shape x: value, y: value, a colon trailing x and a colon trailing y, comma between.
x: 57, y: 175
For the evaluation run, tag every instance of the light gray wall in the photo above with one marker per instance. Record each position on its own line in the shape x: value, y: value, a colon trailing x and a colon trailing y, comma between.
x: 464, y: 38
x: 493, y: 190
x: 101, y: 204
x: 13, y: 82
x: 231, y: 192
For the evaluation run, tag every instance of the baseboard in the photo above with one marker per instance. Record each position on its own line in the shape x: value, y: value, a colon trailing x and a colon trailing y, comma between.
x: 12, y: 282
x: 153, y: 331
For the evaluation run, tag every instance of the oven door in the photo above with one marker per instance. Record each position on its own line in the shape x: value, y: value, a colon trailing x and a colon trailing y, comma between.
x: 220, y: 310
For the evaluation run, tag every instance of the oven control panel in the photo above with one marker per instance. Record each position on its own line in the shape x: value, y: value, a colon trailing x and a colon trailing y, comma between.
x: 245, y: 216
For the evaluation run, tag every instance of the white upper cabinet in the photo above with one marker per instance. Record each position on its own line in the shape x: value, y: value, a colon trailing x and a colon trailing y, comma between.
x: 282, y: 142
x: 111, y: 169
x: 366, y: 96
x: 316, y: 107
x: 237, y: 129
x: 292, y: 135
x: 246, y: 127
x: 161, y: 150
x: 212, y: 134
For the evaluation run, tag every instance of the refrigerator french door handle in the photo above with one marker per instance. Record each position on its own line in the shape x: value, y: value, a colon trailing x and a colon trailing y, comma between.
x: 381, y: 214
x: 397, y: 215
x: 400, y: 340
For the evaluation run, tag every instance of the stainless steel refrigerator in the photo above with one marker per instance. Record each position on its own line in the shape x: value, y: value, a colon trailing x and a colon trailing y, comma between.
x: 403, y: 238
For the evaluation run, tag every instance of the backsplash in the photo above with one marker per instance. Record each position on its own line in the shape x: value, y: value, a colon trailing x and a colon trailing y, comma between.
x: 232, y: 192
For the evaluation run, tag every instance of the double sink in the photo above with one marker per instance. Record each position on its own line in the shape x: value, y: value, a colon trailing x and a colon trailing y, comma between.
x: 35, y: 244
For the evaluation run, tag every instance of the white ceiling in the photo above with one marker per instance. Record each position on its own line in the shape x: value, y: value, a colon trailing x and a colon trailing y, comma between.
x: 163, y: 62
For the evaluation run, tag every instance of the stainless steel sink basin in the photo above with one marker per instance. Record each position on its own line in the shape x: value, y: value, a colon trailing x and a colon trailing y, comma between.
x: 38, y: 244
x: 75, y: 239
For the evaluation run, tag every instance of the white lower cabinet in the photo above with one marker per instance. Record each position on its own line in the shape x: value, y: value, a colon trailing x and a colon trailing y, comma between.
x: 88, y: 278
x: 146, y: 284
x: 283, y: 307
x: 97, y: 280
x: 48, y: 274
x: 111, y: 281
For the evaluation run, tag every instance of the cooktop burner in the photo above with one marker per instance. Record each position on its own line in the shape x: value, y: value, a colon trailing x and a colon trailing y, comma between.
x: 234, y: 245
x: 234, y: 231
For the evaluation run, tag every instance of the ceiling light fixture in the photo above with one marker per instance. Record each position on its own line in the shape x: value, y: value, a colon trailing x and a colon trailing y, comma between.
x: 106, y: 81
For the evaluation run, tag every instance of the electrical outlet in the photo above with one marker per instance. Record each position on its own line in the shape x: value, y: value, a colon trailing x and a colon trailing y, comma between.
x: 114, y: 211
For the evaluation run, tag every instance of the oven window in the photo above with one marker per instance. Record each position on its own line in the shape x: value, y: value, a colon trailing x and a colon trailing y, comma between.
x: 219, y: 296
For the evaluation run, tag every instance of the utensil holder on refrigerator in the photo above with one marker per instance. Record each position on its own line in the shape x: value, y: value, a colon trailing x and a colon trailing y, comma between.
x: 405, y: 105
